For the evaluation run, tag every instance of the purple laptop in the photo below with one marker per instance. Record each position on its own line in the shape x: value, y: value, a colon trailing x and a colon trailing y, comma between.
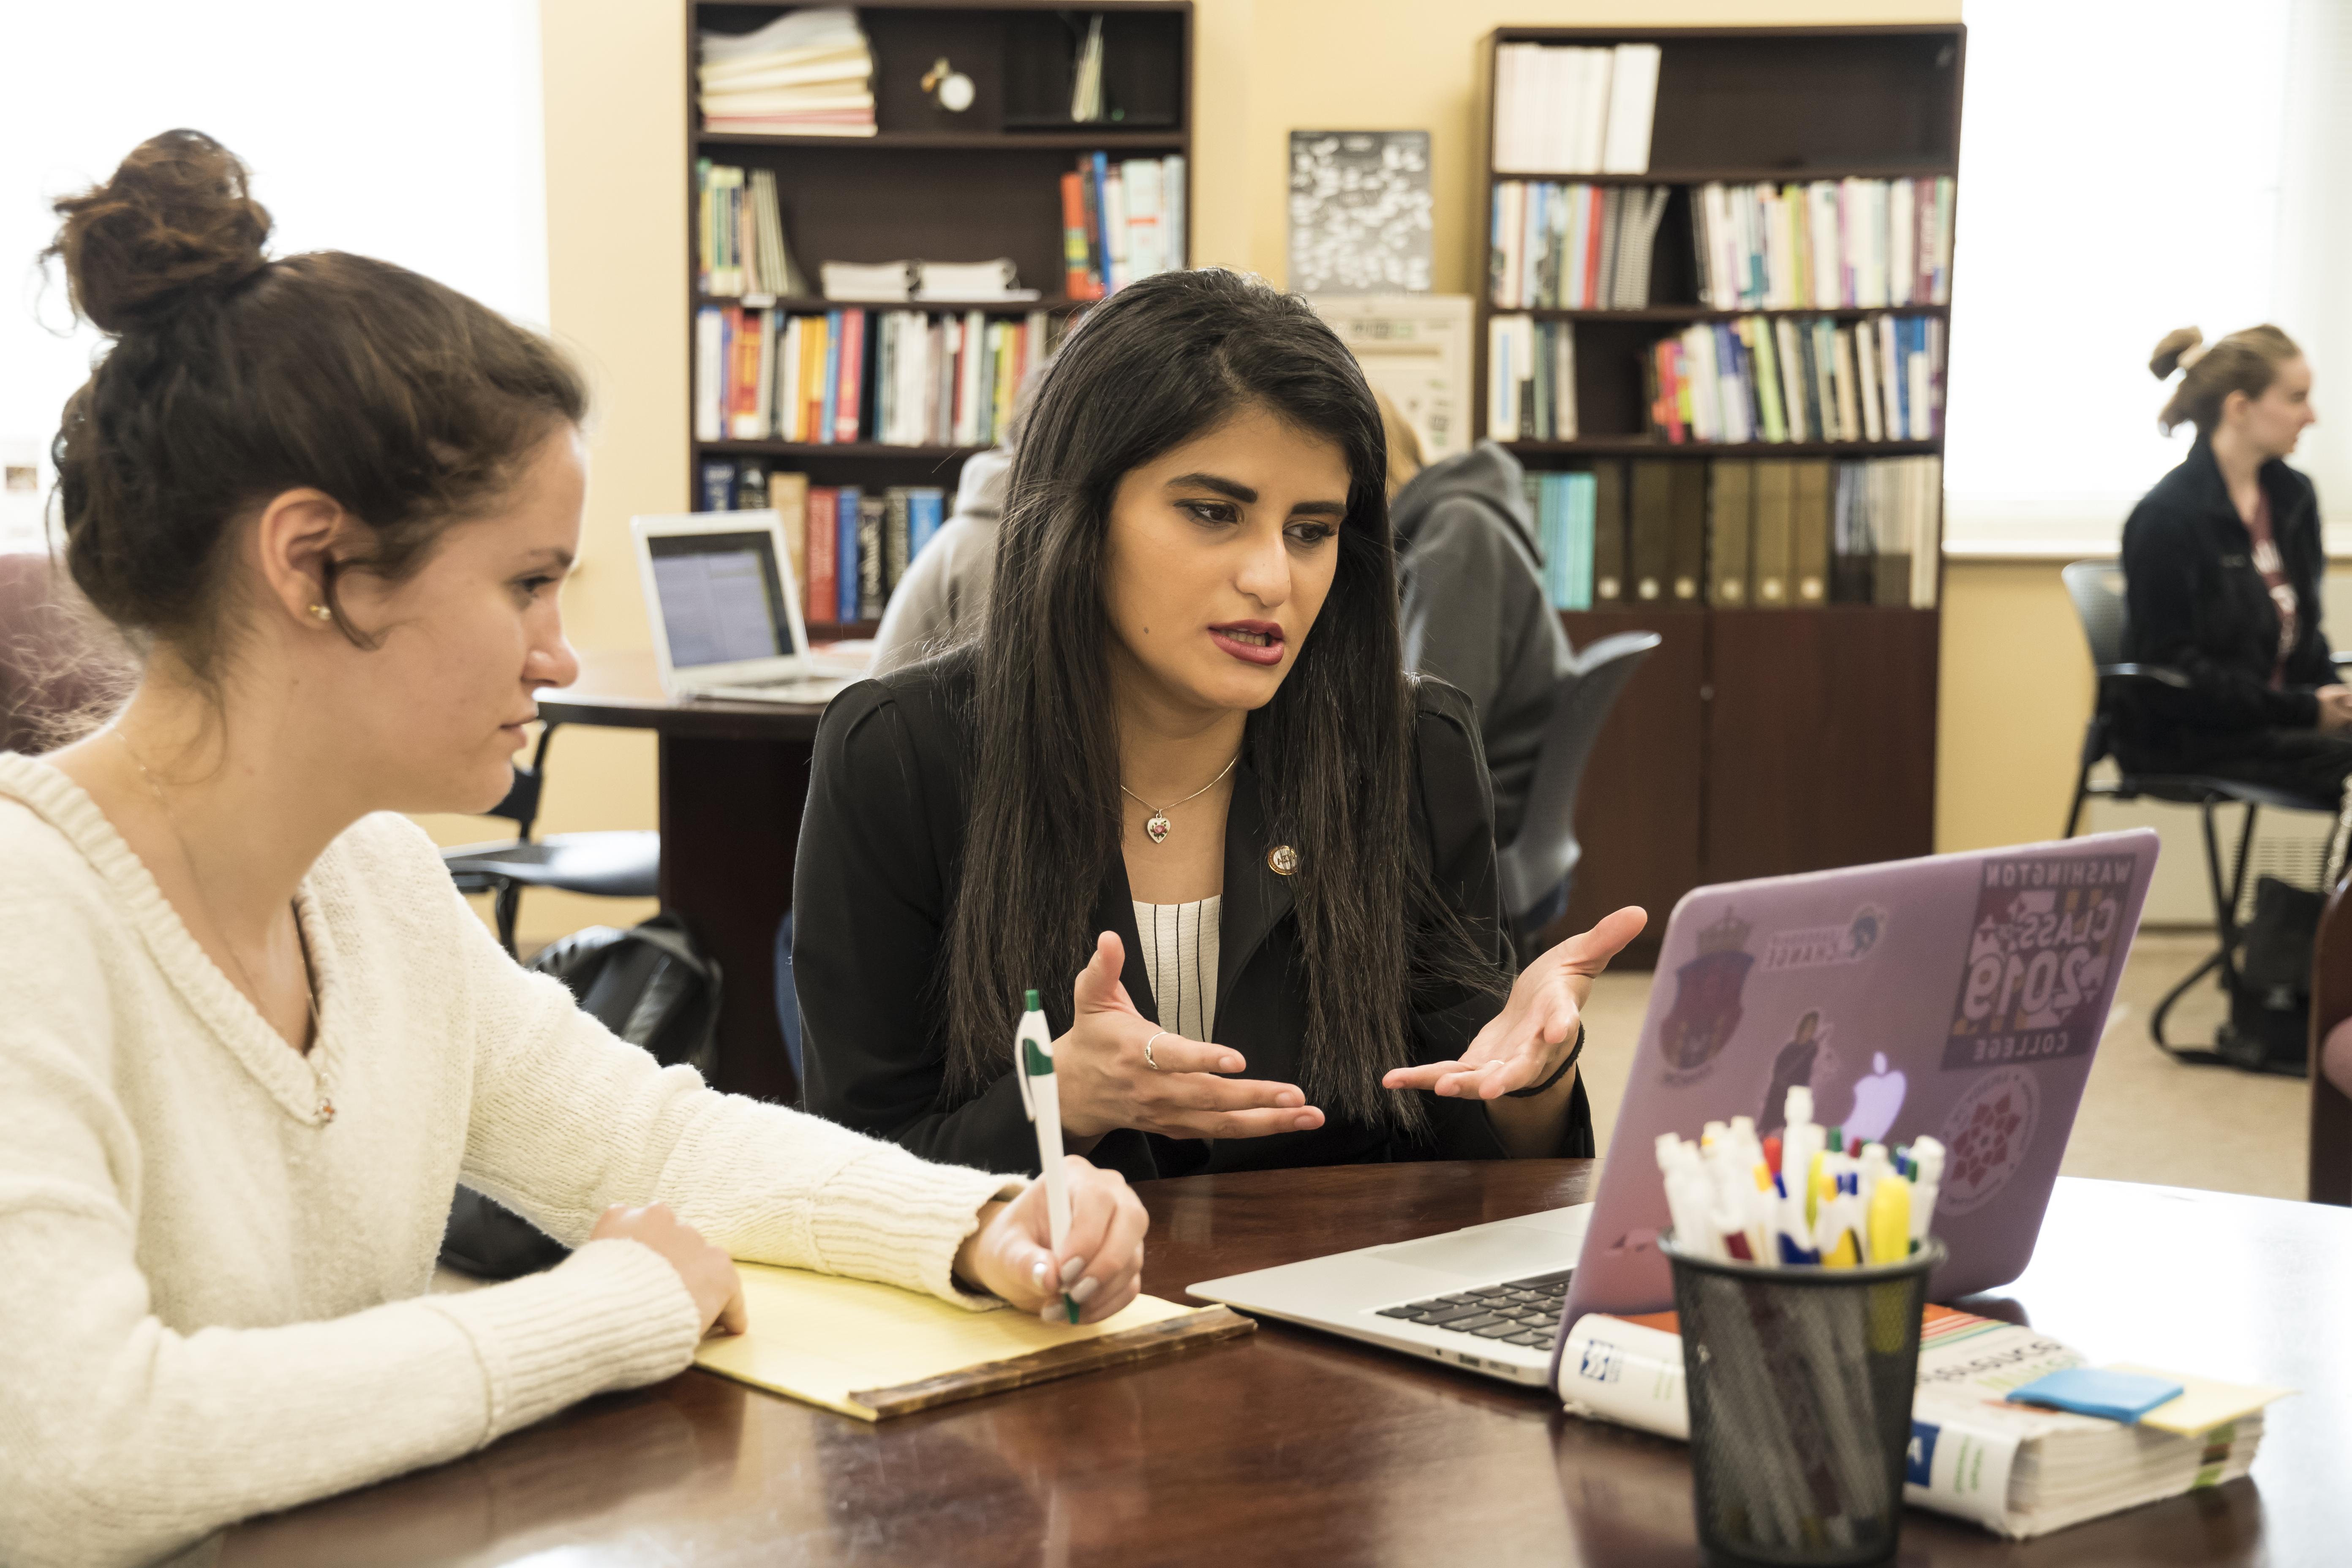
x: 1960, y: 996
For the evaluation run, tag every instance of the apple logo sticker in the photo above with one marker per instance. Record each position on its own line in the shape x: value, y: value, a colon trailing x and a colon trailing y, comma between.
x: 1877, y: 1101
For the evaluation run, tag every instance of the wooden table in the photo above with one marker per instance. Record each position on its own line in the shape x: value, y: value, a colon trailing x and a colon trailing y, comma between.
x: 1294, y: 1449
x: 734, y: 779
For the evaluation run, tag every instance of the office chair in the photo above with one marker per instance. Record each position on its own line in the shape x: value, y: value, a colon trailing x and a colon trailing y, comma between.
x: 1534, y: 870
x: 624, y: 864
x: 2098, y: 589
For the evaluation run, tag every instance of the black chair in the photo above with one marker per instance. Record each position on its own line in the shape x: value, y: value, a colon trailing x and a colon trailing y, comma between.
x: 2098, y: 589
x: 1534, y: 868
x: 622, y: 864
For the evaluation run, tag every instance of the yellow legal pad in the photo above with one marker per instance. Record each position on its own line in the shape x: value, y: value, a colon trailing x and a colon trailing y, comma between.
x: 872, y: 1351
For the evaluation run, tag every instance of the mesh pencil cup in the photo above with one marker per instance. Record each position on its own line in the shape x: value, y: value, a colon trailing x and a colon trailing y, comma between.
x: 1800, y: 1382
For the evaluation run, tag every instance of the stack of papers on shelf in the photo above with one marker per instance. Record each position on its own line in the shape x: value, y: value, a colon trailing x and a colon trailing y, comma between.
x: 807, y: 73
x: 878, y: 280
x: 1574, y: 111
x: 998, y: 279
x: 2018, y: 1472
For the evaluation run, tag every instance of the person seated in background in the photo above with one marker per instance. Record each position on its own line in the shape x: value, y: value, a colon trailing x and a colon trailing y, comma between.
x: 1185, y: 762
x: 943, y: 598
x: 250, y: 1036
x: 1475, y: 613
x: 2223, y: 562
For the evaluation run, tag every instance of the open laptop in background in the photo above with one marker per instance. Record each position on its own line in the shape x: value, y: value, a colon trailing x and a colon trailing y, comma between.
x: 1960, y: 996
x: 726, y: 610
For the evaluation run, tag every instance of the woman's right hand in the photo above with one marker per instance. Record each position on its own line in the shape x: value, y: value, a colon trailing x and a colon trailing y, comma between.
x: 2334, y: 709
x: 708, y: 1273
x: 1106, y: 1084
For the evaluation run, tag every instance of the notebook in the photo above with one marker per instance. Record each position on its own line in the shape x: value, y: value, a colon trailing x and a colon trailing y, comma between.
x: 872, y: 1351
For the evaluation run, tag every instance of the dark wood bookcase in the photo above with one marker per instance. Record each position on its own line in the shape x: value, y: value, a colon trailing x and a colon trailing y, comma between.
x: 1754, y: 742
x: 933, y: 186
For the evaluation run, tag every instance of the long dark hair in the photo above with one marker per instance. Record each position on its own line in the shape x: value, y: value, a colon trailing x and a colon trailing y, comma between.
x: 1163, y: 361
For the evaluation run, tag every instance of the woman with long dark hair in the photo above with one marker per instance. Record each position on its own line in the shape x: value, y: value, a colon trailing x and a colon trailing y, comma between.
x: 1185, y: 762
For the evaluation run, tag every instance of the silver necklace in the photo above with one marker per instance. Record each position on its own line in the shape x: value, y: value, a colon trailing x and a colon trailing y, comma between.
x: 1157, y: 823
x: 310, y: 987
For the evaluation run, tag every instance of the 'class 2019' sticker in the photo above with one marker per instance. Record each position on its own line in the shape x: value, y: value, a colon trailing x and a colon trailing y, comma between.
x: 2041, y: 960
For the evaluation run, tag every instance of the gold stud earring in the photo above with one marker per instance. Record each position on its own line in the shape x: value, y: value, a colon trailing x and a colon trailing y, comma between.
x: 321, y: 613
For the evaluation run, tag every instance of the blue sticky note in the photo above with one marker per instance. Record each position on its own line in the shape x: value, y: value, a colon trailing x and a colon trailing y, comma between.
x: 2123, y: 1396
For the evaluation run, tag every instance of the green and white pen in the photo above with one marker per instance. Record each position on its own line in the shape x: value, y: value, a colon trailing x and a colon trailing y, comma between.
x: 1041, y: 1097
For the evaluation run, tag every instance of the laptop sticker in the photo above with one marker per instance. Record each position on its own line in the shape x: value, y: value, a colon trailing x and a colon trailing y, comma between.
x: 1987, y: 1135
x: 2044, y: 942
x: 1807, y: 1061
x: 1814, y: 947
x: 1706, y: 1001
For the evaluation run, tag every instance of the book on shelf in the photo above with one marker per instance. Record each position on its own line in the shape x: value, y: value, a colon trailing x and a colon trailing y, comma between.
x: 1740, y: 533
x: 1824, y: 245
x: 1572, y: 245
x: 900, y: 378
x: 1574, y: 111
x: 2016, y: 1470
x: 808, y: 73
x: 1530, y: 379
x: 1799, y: 378
x: 740, y: 246
x: 850, y: 548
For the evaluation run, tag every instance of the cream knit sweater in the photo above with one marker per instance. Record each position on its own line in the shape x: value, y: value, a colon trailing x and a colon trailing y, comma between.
x: 212, y: 1292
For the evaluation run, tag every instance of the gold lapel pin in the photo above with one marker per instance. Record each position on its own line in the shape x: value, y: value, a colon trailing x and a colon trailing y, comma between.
x: 1282, y: 859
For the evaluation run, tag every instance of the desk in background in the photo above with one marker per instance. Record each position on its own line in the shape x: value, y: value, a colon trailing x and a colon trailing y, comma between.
x: 1292, y: 1448
x: 734, y: 779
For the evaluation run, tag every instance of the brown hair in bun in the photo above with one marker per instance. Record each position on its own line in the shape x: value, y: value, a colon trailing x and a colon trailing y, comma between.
x: 2245, y: 361
x: 234, y: 378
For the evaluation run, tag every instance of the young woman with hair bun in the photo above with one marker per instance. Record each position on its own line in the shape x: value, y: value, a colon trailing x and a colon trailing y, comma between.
x: 2224, y: 560
x: 250, y: 1036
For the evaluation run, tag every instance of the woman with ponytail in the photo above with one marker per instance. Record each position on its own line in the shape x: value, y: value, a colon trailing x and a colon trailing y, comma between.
x: 2224, y: 560
x: 1184, y: 763
x: 250, y: 1036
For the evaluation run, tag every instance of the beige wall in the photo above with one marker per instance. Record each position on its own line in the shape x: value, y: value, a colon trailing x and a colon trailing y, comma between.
x: 615, y: 112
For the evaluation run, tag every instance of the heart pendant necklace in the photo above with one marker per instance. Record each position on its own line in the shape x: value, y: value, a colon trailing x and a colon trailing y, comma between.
x: 1157, y: 823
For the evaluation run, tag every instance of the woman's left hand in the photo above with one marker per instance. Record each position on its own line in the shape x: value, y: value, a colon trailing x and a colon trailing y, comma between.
x: 1524, y: 1043
x: 1100, y: 1267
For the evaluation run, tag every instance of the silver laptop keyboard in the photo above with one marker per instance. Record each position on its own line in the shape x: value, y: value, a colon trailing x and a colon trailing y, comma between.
x: 1518, y: 1311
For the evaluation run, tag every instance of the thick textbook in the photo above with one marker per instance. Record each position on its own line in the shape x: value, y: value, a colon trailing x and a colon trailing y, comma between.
x: 873, y: 1351
x: 2015, y: 1470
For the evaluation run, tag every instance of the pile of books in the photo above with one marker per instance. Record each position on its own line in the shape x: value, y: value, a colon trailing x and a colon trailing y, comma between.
x: 2018, y: 1472
x: 1740, y: 533
x: 807, y: 73
x: 1573, y: 246
x: 849, y: 547
x: 903, y: 378
x: 1569, y: 110
x: 740, y: 241
x: 1831, y: 243
x: 1120, y: 222
x: 1800, y: 379
x: 1530, y: 379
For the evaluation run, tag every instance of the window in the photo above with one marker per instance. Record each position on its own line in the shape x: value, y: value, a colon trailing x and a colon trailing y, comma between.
x: 2121, y: 174
x: 411, y: 134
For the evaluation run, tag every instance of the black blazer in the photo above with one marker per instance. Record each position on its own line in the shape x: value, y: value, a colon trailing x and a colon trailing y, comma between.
x: 2199, y: 605
x: 876, y: 878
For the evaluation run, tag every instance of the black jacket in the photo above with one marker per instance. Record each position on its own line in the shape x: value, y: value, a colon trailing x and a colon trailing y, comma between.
x: 2199, y: 605
x: 876, y: 880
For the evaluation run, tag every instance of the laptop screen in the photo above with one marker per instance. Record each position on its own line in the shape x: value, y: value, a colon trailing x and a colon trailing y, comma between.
x: 722, y: 600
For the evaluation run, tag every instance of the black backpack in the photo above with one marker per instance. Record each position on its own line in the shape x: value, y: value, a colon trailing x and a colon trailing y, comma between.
x: 650, y: 984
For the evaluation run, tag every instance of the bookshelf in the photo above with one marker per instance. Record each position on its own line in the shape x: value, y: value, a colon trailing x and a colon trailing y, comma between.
x: 934, y: 186
x: 1755, y: 742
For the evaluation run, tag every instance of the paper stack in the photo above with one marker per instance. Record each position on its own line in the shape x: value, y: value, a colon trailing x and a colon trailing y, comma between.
x: 807, y: 73
x: 1574, y: 111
